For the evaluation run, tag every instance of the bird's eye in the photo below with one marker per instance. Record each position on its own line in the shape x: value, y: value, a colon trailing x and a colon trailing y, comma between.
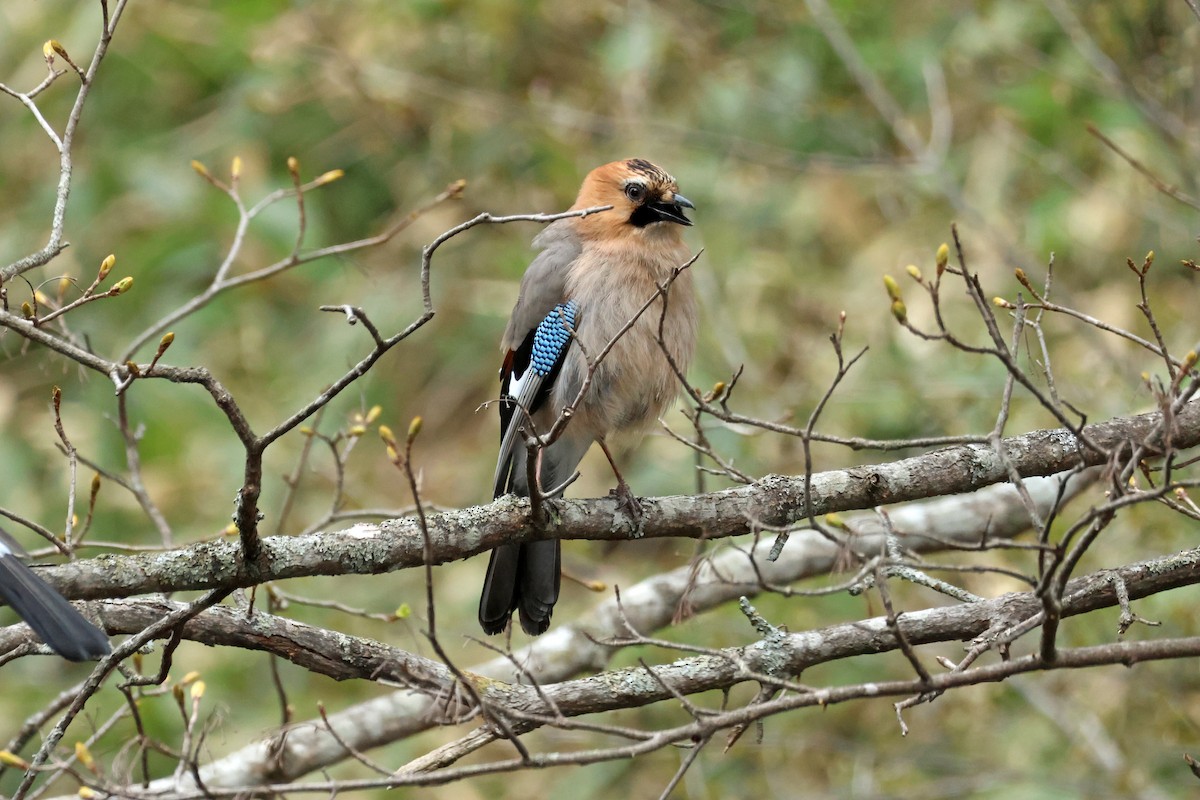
x: 635, y: 192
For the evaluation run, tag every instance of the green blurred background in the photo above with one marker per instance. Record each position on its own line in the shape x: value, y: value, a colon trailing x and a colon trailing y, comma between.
x: 806, y: 195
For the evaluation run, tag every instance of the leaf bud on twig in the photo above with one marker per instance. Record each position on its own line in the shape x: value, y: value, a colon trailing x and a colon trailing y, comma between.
x: 834, y: 520
x: 893, y: 288
x: 718, y: 389
x: 58, y: 48
x: 163, y: 344
x: 1023, y: 279
x: 52, y: 47
x: 385, y: 433
x: 329, y: 177
x: 85, y: 756
x: 106, y: 266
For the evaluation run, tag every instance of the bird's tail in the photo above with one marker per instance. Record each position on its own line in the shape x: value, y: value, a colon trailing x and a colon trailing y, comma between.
x: 524, y: 577
x: 49, y: 614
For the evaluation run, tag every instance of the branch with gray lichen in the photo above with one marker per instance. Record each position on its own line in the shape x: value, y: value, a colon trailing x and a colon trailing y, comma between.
x: 774, y: 500
x: 776, y: 659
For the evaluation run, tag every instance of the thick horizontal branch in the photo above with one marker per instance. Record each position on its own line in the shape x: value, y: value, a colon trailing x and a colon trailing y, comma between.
x: 775, y: 500
x: 650, y: 605
x: 788, y: 655
x: 326, y: 652
x: 342, y: 656
x: 782, y: 658
x: 702, y: 727
x: 996, y: 512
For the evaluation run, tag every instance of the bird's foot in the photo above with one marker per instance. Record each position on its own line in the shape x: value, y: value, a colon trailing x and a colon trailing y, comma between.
x: 627, y: 502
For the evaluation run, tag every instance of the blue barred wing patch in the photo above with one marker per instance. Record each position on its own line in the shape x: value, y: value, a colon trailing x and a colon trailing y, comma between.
x: 526, y: 379
x: 552, y: 335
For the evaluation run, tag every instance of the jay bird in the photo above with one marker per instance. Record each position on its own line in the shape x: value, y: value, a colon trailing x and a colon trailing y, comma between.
x: 593, y: 276
x: 46, y: 611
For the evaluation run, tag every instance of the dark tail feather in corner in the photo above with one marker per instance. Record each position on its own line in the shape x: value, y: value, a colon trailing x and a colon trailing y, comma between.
x: 49, y: 614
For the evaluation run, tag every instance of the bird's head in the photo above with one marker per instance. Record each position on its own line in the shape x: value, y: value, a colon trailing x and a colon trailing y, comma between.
x: 645, y: 200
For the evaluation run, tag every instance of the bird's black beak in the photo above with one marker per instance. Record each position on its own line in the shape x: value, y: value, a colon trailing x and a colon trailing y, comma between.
x: 672, y: 211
